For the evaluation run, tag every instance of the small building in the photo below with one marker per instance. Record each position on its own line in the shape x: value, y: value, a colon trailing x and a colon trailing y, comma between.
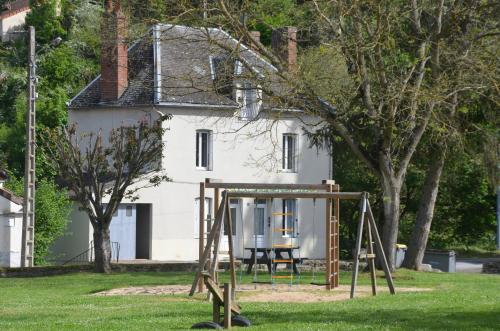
x: 12, y: 17
x: 11, y: 226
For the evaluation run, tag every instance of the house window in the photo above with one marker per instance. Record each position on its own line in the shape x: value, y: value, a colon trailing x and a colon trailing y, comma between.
x: 289, y: 217
x: 234, y: 205
x: 259, y: 217
x: 250, y: 99
x: 204, y: 149
x: 289, y: 155
x: 128, y: 211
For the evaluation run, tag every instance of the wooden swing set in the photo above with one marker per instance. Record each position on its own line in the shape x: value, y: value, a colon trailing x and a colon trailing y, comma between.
x: 209, y: 265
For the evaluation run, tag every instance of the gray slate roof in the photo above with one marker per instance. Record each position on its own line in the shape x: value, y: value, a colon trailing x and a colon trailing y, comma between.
x: 186, y: 72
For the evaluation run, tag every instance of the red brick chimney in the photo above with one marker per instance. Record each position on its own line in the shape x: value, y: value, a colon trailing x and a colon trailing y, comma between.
x: 284, y: 44
x: 114, y: 57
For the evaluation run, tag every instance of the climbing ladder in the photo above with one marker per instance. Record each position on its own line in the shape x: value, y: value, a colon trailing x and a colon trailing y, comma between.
x: 275, y: 275
x: 332, y: 240
x: 332, y: 268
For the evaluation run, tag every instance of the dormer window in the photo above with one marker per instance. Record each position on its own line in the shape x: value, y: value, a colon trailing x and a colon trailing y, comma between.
x: 250, y: 99
x: 222, y: 72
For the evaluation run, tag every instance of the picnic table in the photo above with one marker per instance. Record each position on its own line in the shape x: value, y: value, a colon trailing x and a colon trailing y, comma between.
x: 266, y: 257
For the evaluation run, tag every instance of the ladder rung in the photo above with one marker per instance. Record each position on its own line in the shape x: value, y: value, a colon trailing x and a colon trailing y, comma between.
x: 283, y: 230
x: 282, y: 276
x: 282, y: 246
x: 283, y: 261
x: 282, y: 214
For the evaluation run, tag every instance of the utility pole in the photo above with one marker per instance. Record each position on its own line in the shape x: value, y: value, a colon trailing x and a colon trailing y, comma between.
x: 498, y: 217
x: 28, y: 235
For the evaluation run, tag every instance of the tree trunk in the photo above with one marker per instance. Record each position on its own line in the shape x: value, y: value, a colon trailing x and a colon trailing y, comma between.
x: 102, y: 249
x: 391, y: 201
x: 425, y: 213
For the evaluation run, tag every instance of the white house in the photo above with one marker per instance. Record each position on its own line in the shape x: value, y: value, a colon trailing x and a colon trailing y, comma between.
x: 11, y: 226
x: 12, y: 17
x: 222, y: 127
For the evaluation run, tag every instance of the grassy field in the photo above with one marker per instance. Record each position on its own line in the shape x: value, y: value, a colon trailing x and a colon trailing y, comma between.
x: 457, y: 302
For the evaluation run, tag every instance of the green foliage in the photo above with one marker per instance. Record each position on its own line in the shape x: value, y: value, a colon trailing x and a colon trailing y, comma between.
x: 43, y: 16
x: 269, y: 14
x: 52, y: 208
x: 465, y: 213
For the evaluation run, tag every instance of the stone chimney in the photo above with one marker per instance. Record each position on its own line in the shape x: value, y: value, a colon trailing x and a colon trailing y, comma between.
x: 255, y: 35
x: 284, y: 44
x: 114, y: 57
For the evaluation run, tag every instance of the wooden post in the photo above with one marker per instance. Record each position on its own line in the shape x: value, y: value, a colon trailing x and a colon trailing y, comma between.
x: 217, y: 238
x: 202, y: 230
x: 380, y: 250
x: 227, y: 305
x: 231, y: 249
x: 336, y: 238
x: 216, y: 208
x: 359, y: 236
x: 206, y: 251
x: 216, y: 304
x: 328, y: 241
x: 371, y: 260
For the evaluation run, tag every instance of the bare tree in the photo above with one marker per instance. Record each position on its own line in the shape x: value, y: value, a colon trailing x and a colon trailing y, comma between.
x: 101, y: 173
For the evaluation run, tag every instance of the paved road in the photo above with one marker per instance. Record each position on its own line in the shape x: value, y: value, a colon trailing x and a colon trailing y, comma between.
x: 472, y: 265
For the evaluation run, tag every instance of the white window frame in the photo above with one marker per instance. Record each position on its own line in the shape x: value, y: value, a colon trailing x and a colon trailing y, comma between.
x: 294, y: 217
x: 199, y: 150
x: 208, y: 212
x: 249, y: 109
x: 286, y: 164
x: 236, y: 204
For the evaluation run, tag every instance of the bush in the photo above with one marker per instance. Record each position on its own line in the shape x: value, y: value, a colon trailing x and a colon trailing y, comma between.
x: 52, y: 209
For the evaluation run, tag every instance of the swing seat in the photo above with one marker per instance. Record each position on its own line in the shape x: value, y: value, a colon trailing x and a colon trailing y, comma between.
x: 319, y: 284
x: 261, y: 282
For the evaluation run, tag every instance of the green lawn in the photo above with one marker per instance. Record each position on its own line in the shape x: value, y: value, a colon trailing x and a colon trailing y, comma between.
x: 458, y: 301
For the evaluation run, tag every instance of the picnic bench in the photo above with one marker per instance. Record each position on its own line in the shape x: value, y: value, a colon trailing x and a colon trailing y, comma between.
x: 270, y: 261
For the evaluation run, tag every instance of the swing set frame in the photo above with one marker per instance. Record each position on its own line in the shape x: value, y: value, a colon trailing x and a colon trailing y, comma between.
x: 327, y: 190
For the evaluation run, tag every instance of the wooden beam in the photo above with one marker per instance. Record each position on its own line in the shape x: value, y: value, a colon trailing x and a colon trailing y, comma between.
x: 227, y: 305
x: 359, y: 236
x: 380, y: 250
x: 328, y: 241
x: 231, y: 248
x: 206, y: 252
x: 201, y: 229
x: 266, y: 186
x: 371, y: 262
x: 216, y: 209
x: 296, y: 195
x: 336, y: 238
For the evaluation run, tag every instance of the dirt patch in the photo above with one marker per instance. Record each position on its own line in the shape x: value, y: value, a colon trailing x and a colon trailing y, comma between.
x: 264, y: 292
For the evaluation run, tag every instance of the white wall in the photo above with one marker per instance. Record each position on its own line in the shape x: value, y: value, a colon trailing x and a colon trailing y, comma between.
x: 10, y: 24
x: 239, y: 155
x: 11, y: 225
x: 76, y: 239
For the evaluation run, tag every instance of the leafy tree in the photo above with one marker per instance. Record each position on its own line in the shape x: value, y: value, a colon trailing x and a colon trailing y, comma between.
x: 46, y: 20
x: 52, y: 209
x: 391, y: 53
